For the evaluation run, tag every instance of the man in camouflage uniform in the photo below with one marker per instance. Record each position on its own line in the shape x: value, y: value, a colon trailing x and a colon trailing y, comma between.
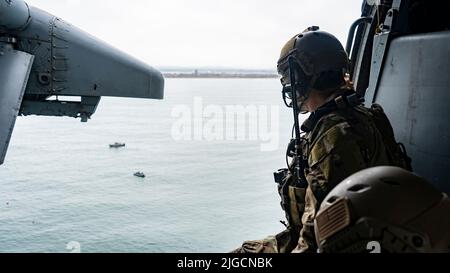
x: 341, y: 136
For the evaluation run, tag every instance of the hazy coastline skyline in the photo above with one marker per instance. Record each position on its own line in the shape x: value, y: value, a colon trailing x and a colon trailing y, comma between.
x: 200, y: 33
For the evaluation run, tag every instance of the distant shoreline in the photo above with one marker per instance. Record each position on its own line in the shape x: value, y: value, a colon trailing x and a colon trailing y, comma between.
x: 219, y: 76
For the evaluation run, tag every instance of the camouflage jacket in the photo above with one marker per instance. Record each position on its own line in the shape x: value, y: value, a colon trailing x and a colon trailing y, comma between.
x: 340, y: 143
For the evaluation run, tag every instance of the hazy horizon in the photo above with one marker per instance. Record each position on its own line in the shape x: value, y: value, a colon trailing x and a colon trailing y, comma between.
x: 200, y: 33
x: 213, y: 68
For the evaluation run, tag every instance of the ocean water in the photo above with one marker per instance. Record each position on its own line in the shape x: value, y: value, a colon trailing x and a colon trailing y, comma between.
x: 61, y: 182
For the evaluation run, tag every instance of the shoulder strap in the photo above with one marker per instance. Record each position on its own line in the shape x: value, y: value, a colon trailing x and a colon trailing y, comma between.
x: 396, y: 152
x: 348, y: 99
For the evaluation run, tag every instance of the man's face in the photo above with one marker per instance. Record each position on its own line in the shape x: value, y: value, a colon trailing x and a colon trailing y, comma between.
x: 287, y: 90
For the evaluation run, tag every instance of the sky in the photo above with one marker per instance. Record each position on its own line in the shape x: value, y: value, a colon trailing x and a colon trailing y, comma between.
x: 246, y: 34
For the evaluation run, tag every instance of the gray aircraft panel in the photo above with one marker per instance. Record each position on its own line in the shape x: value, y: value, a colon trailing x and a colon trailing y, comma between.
x: 13, y: 14
x: 417, y: 101
x: 15, y: 68
x: 74, y: 63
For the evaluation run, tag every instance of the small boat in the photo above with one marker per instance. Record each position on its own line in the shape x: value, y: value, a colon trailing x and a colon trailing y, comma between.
x: 116, y: 145
x: 139, y: 174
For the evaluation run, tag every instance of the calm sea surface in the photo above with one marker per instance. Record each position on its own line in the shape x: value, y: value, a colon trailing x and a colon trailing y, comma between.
x: 61, y: 182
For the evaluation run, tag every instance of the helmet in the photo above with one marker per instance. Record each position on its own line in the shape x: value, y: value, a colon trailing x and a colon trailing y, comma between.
x: 313, y: 53
x: 388, y: 208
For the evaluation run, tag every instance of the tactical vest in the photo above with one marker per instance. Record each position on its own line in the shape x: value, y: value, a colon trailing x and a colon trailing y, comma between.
x: 292, y: 196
